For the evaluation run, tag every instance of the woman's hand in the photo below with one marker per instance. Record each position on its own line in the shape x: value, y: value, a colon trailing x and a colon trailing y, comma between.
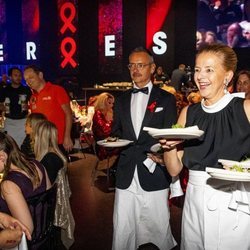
x: 10, y: 238
x: 172, y: 155
x: 169, y: 144
x: 8, y: 222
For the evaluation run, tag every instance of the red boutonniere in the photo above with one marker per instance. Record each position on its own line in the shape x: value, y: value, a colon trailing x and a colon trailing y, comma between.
x: 151, y: 107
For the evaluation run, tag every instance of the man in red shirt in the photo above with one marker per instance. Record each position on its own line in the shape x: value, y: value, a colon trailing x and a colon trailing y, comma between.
x: 52, y: 101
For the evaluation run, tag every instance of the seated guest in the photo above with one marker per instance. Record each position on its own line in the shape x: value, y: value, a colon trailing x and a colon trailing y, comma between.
x: 160, y: 77
x: 31, y: 121
x: 103, y: 120
x: 22, y: 179
x: 46, y: 148
x: 48, y: 153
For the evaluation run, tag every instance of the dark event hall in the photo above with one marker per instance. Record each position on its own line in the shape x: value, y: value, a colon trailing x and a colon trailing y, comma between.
x: 124, y: 124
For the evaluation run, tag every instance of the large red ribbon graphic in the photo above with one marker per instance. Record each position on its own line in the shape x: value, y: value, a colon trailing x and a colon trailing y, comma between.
x: 68, y: 19
x: 68, y: 52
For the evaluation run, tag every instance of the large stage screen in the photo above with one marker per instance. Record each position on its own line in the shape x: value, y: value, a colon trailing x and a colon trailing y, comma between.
x: 19, y: 33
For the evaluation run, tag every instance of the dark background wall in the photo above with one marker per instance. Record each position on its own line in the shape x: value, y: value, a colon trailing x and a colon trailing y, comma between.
x: 181, y: 38
x: 185, y: 32
x: 180, y: 26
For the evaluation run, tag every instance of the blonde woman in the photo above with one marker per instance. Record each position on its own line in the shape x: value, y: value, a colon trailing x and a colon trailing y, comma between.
x: 103, y: 120
x: 31, y: 121
x: 210, y: 209
x: 48, y: 153
x: 46, y: 148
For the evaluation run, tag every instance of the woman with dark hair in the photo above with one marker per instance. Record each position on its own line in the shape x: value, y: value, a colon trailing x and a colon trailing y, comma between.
x: 242, y: 83
x: 22, y: 179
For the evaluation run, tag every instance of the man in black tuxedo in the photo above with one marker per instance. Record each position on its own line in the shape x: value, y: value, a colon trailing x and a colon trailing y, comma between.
x: 141, y: 212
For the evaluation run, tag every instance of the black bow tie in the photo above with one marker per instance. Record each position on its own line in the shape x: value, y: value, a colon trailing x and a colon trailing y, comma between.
x: 143, y: 90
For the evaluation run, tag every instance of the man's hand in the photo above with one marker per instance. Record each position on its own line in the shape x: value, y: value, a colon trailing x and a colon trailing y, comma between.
x: 67, y: 144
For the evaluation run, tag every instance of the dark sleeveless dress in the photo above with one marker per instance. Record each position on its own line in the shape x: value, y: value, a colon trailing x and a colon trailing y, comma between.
x: 227, y: 136
x: 25, y: 184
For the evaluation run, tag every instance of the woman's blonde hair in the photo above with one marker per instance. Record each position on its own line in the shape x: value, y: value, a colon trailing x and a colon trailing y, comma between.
x: 45, y: 140
x: 101, y: 100
x: 18, y: 159
x: 34, y: 118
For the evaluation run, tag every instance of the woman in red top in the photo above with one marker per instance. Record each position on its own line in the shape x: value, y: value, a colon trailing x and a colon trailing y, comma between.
x: 102, y: 121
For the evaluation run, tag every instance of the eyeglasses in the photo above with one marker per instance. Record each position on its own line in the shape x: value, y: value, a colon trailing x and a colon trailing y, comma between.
x: 138, y: 66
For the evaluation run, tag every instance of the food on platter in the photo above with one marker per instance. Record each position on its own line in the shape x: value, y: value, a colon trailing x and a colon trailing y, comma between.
x: 111, y: 139
x: 241, y: 166
x: 238, y: 168
x: 177, y: 126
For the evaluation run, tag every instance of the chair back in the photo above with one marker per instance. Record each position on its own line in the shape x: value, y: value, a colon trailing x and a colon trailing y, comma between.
x: 87, y: 141
x: 42, y: 209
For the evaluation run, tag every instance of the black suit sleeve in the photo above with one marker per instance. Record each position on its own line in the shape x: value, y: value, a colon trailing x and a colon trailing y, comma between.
x: 116, y: 128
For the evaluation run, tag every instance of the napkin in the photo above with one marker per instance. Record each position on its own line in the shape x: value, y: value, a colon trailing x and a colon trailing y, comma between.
x: 191, y: 128
x: 240, y: 199
x: 150, y: 165
x: 22, y: 245
x: 230, y: 163
x: 158, y: 130
x: 150, y: 129
x: 175, y: 187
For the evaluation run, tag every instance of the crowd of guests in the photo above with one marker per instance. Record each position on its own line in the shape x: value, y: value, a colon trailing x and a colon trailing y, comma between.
x: 33, y: 147
x: 225, y: 21
x: 31, y: 165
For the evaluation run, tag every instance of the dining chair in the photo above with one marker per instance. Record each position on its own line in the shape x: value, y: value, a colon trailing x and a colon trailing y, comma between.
x: 42, y: 209
x: 88, y: 143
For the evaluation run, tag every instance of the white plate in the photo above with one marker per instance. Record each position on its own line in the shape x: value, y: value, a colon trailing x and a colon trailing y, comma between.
x: 229, y: 163
x: 228, y: 175
x: 177, y: 134
x: 155, y: 148
x: 115, y: 144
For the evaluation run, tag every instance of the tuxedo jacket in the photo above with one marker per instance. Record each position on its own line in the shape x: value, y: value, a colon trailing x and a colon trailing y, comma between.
x: 160, y: 113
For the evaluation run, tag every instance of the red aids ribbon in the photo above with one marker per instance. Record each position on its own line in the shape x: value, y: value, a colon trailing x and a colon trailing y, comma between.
x: 69, y: 18
x: 68, y: 49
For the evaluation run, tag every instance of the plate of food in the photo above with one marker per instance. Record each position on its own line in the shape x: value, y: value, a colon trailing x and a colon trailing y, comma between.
x: 239, y: 166
x: 113, y: 142
x: 229, y: 175
x: 176, y: 132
